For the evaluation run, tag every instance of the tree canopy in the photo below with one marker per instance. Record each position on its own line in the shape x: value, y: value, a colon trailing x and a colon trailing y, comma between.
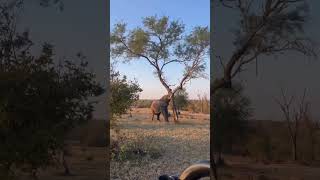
x: 40, y: 102
x: 161, y: 42
x: 181, y: 99
x: 123, y: 93
x: 265, y: 28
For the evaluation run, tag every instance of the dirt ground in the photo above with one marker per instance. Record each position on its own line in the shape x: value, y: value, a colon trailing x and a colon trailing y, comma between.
x: 182, y: 144
x: 242, y: 168
x: 85, y: 164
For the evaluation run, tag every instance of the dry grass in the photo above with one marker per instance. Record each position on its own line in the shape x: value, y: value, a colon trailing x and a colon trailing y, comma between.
x: 180, y: 145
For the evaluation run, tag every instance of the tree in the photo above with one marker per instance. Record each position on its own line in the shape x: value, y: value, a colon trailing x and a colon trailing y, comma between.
x: 294, y: 116
x: 266, y: 28
x: 40, y: 101
x: 123, y: 93
x: 231, y: 112
x: 181, y: 99
x: 161, y: 42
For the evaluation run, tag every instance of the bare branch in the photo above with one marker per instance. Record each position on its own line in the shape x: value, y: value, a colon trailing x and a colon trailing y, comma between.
x: 263, y: 33
x: 171, y: 61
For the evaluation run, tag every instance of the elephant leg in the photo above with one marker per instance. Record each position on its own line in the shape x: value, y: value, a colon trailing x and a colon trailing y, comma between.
x: 167, y: 114
x: 158, y: 116
x: 164, y: 111
x: 152, y: 116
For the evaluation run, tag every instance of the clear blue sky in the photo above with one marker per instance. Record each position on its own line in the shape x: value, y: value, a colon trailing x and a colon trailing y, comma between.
x: 191, y: 13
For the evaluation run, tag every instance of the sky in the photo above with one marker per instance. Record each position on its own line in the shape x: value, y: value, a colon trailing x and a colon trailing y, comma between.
x: 190, y: 13
x: 80, y: 27
x: 291, y: 71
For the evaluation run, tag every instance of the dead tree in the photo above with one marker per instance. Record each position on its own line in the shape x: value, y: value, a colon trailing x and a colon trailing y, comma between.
x: 293, y: 117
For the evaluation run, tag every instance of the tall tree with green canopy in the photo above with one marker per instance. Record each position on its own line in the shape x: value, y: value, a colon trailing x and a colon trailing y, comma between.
x: 162, y: 42
x: 266, y: 28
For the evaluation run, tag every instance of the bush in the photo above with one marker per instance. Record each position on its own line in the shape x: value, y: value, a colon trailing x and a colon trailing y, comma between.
x: 123, y: 94
x: 140, y: 147
x: 231, y: 113
x: 143, y: 103
x: 198, y: 106
x: 41, y: 101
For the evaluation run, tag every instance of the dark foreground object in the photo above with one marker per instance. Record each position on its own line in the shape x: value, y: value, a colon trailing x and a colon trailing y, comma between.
x: 194, y: 172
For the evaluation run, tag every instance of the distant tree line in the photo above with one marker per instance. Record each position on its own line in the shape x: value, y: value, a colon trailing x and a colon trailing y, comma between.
x: 183, y: 103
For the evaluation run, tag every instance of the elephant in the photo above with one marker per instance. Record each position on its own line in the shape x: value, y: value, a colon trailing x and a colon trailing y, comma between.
x: 161, y: 106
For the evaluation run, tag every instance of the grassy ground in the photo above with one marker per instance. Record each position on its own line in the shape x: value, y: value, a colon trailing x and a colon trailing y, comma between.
x: 177, y: 145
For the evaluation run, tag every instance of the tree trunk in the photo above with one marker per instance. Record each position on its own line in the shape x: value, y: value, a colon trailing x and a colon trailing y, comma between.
x: 201, y: 105
x: 312, y: 142
x: 174, y: 109
x: 220, y: 159
x: 312, y: 150
x: 65, y: 164
x: 294, y: 150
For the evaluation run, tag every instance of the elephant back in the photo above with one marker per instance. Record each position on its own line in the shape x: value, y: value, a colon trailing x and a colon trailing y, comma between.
x: 156, y: 105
